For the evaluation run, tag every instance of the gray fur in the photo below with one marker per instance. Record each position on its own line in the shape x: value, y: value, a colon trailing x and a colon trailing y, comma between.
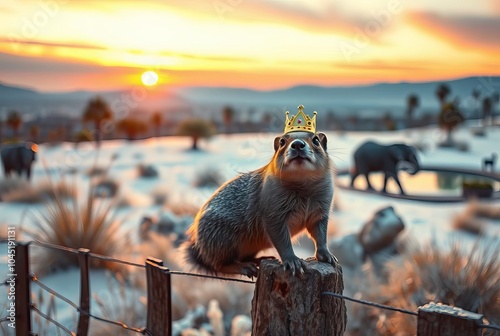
x: 372, y: 157
x: 266, y: 208
x: 18, y: 158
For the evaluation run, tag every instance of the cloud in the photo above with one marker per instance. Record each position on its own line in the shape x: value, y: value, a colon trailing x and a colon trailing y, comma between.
x: 462, y: 31
x: 51, y: 44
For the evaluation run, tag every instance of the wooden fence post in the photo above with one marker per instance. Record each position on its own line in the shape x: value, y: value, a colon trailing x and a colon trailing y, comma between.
x: 83, y: 319
x: 442, y: 320
x: 159, y: 315
x: 23, y: 290
x: 294, y: 305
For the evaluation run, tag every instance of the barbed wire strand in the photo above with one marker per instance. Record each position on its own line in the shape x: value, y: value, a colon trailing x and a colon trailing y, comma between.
x: 373, y: 304
x: 50, y: 319
x: 130, y: 263
x: 143, y: 331
x: 124, y: 262
x: 210, y: 277
x: 53, y: 246
x: 489, y: 326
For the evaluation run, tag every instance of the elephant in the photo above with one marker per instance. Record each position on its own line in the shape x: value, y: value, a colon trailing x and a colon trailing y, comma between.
x: 372, y: 157
x: 18, y: 157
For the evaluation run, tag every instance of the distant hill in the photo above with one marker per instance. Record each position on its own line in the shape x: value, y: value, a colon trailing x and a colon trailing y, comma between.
x: 377, y: 96
x: 71, y: 104
x: 361, y: 99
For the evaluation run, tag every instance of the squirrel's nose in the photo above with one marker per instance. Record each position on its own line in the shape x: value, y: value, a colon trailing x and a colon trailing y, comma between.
x: 298, y: 144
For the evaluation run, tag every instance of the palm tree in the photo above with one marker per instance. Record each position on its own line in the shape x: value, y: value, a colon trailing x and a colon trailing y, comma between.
x: 487, y: 105
x: 412, y: 102
x: 449, y: 119
x: 131, y: 127
x: 97, y: 111
x: 14, y: 121
x: 156, y: 120
x: 196, y: 129
x: 442, y: 91
x: 476, y: 94
x: 227, y: 117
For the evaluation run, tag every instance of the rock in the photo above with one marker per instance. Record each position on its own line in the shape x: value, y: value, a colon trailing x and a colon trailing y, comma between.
x: 381, y: 230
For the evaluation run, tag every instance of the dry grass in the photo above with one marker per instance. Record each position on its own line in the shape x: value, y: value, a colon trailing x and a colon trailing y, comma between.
x: 453, y: 276
x: 182, y: 209
x: 88, y: 224
x: 484, y: 210
x: 28, y: 193
x: 208, y: 178
x: 468, y: 223
x: 119, y: 303
x: 234, y: 298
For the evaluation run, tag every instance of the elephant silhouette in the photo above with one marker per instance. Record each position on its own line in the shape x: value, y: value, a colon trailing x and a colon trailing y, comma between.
x: 373, y: 157
x: 19, y: 158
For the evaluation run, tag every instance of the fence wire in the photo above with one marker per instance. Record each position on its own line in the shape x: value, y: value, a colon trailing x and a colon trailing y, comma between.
x: 50, y: 319
x: 373, y: 304
x: 145, y: 331
x: 77, y: 307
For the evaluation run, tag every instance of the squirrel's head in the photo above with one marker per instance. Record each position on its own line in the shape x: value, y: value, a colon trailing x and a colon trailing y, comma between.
x: 300, y: 153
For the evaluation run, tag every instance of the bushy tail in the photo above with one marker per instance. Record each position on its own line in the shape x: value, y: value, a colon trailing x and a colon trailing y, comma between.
x: 192, y: 259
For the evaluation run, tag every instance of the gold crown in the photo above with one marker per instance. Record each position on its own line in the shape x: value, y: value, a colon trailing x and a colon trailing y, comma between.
x: 300, y: 122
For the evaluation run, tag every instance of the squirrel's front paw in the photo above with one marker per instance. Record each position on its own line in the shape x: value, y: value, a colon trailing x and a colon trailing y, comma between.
x: 294, y: 264
x: 324, y: 255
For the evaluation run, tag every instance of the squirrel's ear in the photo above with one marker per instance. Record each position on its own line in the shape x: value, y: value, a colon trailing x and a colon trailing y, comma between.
x: 322, y: 139
x: 277, y: 143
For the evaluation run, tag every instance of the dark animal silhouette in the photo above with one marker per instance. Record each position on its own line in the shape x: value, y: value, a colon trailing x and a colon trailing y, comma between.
x: 373, y: 157
x: 490, y: 162
x: 18, y: 158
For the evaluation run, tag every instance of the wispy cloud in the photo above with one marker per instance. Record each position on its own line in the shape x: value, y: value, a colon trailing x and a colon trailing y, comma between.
x: 462, y: 31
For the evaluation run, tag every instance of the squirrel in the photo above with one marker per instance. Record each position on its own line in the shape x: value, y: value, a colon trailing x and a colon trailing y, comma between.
x: 267, y: 207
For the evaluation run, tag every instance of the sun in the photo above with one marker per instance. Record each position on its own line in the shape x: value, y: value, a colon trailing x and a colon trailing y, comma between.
x: 149, y: 78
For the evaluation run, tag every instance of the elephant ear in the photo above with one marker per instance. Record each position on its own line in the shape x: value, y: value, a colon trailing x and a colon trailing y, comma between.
x: 396, y: 153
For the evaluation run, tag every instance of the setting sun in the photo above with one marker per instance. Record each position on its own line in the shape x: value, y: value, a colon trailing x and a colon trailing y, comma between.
x: 149, y: 78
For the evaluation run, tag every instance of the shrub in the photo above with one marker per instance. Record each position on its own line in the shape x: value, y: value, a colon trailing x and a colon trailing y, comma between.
x: 196, y: 129
x: 454, y: 276
x: 208, y: 178
x: 84, y: 136
x: 147, y: 171
x: 28, y: 193
x: 87, y: 224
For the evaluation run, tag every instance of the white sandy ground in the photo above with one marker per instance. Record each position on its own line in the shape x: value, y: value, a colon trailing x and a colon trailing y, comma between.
x: 177, y: 167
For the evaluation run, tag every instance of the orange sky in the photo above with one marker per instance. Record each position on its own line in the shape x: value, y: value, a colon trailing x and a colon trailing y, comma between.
x: 61, y: 45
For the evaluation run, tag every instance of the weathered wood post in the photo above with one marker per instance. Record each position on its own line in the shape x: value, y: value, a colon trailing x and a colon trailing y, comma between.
x: 84, y: 318
x: 159, y: 315
x: 22, y: 290
x: 293, y: 305
x: 442, y: 320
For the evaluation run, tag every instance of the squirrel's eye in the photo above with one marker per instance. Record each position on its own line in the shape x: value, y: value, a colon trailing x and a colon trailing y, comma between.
x: 282, y: 142
x: 316, y: 141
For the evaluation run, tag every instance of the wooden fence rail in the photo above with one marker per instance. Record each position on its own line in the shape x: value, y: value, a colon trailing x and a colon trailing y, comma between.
x: 272, y: 301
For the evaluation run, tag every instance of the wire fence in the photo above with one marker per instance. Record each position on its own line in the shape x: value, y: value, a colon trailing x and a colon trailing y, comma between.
x: 144, y: 330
